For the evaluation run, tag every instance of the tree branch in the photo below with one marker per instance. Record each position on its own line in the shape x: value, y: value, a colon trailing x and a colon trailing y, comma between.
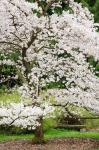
x: 10, y: 43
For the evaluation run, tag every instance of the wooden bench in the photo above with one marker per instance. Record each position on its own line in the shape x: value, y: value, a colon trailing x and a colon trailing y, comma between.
x: 73, y: 127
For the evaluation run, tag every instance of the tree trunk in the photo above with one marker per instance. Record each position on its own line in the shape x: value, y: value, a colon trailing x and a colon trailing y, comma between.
x: 38, y: 133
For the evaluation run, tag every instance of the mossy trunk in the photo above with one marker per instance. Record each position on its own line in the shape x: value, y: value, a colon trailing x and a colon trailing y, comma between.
x: 38, y: 133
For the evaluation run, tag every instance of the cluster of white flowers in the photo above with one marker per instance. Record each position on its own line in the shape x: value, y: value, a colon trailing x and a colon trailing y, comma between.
x: 7, y: 62
x: 54, y: 50
x: 23, y: 116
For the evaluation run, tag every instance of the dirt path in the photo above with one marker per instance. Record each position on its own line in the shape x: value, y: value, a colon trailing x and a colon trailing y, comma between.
x: 56, y: 144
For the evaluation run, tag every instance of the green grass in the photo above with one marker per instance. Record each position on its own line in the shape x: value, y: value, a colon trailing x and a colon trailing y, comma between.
x: 52, y: 133
x: 4, y: 137
x: 8, y: 97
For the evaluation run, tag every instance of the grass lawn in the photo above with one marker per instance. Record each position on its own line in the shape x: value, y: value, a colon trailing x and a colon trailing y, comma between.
x: 6, y: 97
x: 52, y: 133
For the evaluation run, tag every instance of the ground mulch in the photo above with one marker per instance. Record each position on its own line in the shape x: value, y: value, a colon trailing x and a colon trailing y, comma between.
x: 54, y: 144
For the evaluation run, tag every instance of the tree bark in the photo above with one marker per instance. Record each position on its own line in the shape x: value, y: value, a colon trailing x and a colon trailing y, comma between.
x: 38, y: 133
